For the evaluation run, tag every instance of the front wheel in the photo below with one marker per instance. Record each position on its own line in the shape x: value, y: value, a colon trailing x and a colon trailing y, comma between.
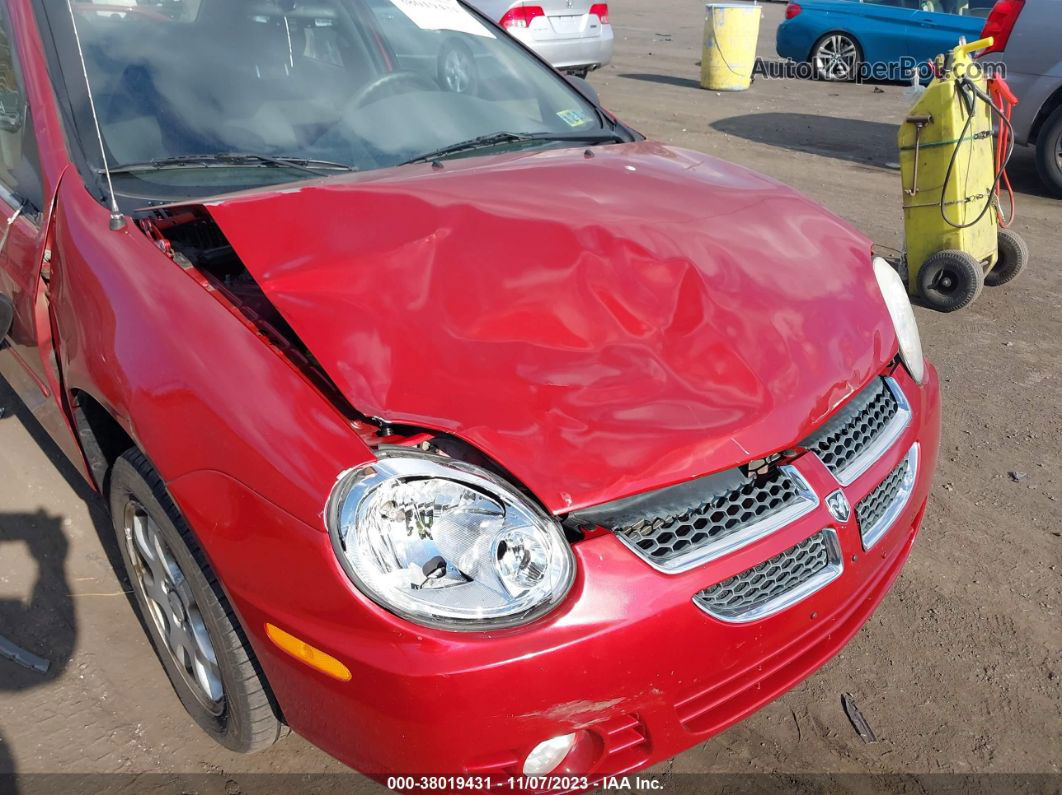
x: 1049, y: 152
x: 194, y: 631
x: 836, y: 58
x: 950, y: 280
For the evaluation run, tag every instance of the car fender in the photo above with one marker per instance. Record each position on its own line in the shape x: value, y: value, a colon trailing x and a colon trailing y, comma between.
x: 191, y: 385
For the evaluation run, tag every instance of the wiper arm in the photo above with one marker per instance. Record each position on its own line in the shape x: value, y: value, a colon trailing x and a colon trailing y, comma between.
x: 229, y: 159
x: 499, y: 138
x: 482, y: 142
x: 310, y: 163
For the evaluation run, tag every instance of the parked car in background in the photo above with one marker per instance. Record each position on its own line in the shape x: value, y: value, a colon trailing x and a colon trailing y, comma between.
x: 573, y: 35
x: 836, y: 36
x: 1028, y: 40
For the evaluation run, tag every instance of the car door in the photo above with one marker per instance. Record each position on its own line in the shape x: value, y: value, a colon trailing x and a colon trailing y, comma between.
x: 938, y: 26
x: 24, y: 363
x: 881, y: 27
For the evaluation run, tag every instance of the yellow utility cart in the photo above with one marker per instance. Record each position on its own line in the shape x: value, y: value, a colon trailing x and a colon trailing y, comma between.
x: 951, y: 167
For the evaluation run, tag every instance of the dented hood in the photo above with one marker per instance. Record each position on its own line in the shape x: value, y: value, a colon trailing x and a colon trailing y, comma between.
x: 600, y: 323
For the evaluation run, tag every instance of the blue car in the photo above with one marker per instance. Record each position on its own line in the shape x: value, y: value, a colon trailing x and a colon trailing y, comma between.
x: 884, y: 39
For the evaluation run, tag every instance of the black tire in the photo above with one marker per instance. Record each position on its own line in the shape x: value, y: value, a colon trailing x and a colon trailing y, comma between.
x: 1049, y: 152
x: 1013, y: 257
x: 950, y: 280
x: 7, y: 316
x: 244, y: 718
x: 457, y: 68
x: 844, y: 44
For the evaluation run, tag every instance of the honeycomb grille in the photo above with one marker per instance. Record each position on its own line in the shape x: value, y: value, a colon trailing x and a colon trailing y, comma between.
x: 662, y: 539
x: 871, y: 509
x: 844, y: 438
x: 753, y: 589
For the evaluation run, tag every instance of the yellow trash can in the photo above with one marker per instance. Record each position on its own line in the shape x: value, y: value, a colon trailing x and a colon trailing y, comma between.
x: 730, y: 33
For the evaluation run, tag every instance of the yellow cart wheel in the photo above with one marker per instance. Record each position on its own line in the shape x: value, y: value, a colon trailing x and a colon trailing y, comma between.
x: 950, y: 280
x: 1013, y: 257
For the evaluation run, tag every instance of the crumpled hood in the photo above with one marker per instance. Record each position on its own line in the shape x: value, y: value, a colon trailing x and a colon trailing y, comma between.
x: 599, y: 323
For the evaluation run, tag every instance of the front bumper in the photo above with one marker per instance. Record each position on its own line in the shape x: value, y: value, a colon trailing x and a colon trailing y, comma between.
x: 627, y: 656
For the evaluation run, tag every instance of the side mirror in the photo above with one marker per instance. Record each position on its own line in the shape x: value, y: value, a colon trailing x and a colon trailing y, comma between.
x: 584, y: 88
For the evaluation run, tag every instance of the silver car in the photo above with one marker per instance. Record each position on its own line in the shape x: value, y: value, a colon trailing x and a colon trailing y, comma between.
x: 573, y: 35
x: 1028, y: 36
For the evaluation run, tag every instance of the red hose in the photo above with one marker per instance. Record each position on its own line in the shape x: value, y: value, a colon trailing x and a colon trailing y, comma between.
x: 1005, y: 101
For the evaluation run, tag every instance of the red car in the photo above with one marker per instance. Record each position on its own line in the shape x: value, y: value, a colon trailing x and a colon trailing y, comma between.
x: 456, y: 427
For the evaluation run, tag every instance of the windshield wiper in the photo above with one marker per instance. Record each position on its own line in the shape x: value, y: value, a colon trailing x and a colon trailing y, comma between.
x: 230, y: 159
x: 499, y: 138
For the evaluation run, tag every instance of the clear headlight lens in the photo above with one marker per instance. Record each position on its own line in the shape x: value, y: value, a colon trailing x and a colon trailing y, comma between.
x: 444, y: 543
x: 903, y: 319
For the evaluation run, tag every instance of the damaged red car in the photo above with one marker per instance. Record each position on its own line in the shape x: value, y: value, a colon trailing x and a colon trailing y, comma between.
x: 443, y: 418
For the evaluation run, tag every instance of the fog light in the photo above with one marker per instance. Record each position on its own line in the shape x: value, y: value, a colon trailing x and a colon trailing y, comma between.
x: 547, y: 755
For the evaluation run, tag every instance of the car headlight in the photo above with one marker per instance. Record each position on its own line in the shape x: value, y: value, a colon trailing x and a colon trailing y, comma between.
x: 903, y: 319
x: 447, y: 544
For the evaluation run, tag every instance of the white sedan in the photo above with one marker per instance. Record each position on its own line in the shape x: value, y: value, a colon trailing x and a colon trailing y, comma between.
x: 573, y: 35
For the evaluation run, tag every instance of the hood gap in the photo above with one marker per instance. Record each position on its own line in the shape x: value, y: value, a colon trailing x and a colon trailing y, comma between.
x: 193, y: 240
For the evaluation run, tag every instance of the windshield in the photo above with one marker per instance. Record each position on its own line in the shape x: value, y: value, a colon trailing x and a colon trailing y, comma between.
x: 297, y: 88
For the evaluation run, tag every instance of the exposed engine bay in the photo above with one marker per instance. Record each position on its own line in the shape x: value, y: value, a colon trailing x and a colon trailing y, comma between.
x: 192, y: 240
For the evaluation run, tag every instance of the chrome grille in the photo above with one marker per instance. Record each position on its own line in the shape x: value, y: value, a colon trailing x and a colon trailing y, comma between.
x: 878, y: 510
x: 777, y: 583
x: 663, y: 539
x: 678, y: 528
x: 862, y: 430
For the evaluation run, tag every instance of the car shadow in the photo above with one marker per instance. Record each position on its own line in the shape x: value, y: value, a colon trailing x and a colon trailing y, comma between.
x: 866, y: 142
x: 38, y: 615
x: 1024, y: 177
x: 667, y: 80
x: 8, y: 779
x: 38, y: 628
x: 12, y: 407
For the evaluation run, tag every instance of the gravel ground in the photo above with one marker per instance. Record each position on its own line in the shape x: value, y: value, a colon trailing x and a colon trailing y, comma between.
x: 959, y: 670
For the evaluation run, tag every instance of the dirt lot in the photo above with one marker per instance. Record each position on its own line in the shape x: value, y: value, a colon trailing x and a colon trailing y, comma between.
x: 960, y: 671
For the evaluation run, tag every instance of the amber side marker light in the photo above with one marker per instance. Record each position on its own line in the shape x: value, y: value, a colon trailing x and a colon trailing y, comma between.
x: 301, y: 650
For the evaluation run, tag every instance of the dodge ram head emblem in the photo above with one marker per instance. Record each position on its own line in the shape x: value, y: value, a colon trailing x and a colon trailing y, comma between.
x: 838, y: 506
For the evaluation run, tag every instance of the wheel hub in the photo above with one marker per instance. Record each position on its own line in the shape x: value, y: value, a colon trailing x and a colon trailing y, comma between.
x: 176, y: 608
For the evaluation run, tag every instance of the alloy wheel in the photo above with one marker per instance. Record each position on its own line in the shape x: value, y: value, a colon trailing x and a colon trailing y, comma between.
x: 172, y: 607
x: 836, y: 58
